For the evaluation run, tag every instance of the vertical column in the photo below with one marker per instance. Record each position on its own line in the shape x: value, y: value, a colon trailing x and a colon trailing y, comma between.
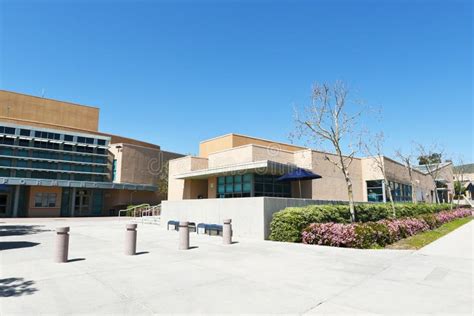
x: 383, y: 191
x: 73, y: 201
x: 62, y: 244
x: 183, y: 235
x: 227, y: 232
x: 16, y: 201
x: 131, y: 240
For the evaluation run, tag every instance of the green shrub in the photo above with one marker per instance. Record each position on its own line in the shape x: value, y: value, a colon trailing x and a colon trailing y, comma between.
x: 370, y: 235
x: 288, y: 224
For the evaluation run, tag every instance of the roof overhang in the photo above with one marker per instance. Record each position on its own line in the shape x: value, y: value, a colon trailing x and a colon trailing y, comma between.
x: 77, y: 184
x: 263, y: 167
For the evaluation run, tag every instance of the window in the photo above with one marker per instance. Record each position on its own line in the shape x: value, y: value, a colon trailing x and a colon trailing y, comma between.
x: 267, y: 185
x: 45, y: 200
x: 10, y: 130
x: 101, y: 142
x: 68, y: 138
x: 375, y: 191
x: 24, y: 143
x: 400, y: 192
x: 81, y: 139
x: 24, y: 132
x: 234, y: 186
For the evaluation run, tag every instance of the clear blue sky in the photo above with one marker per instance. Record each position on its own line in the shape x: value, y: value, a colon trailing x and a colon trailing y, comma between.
x: 178, y: 72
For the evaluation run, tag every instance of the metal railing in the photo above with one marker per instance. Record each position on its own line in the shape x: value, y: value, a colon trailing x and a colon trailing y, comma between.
x: 135, y: 211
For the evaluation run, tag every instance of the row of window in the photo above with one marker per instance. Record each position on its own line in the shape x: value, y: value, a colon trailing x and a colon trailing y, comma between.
x: 52, y: 136
x: 234, y: 186
x: 51, y: 175
x: 6, y: 151
x: 400, y: 192
x: 54, y: 146
x: 51, y: 165
x: 242, y: 186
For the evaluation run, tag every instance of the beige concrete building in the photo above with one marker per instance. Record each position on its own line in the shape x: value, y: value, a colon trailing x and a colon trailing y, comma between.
x: 233, y: 166
x: 55, y: 162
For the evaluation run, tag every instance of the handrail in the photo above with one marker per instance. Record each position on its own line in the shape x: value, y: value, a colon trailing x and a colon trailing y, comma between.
x: 134, y: 209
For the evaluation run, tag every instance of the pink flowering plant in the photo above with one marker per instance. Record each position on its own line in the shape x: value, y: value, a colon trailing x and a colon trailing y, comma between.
x: 376, y: 234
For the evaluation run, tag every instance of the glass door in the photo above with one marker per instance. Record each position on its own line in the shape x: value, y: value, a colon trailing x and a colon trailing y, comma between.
x: 82, y: 203
x: 3, y: 204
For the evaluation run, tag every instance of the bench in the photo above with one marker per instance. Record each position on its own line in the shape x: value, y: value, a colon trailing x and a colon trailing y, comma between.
x: 210, y: 229
x: 175, y: 226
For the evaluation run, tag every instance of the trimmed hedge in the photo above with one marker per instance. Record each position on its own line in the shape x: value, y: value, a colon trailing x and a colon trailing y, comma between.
x: 288, y: 224
x: 376, y: 234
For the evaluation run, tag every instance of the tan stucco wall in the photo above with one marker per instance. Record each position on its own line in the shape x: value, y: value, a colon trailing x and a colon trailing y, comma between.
x: 332, y: 185
x: 235, y: 140
x: 140, y: 165
x: 44, y: 212
x: 180, y: 189
x: 29, y: 109
x: 116, y: 199
x: 212, y: 187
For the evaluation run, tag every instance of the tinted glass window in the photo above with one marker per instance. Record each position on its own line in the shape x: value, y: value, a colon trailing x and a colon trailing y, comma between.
x: 9, y: 130
x: 68, y: 138
x: 24, y: 132
x: 101, y: 142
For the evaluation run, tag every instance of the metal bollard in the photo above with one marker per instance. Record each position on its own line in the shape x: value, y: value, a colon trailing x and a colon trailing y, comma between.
x: 227, y: 232
x: 183, y: 235
x: 131, y: 240
x: 62, y: 244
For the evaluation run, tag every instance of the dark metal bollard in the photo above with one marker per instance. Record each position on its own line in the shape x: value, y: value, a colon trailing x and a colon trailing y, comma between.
x: 131, y: 240
x: 227, y: 232
x: 183, y: 235
x: 62, y: 244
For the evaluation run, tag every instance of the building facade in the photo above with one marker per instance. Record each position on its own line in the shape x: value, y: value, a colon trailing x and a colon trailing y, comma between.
x: 233, y: 166
x: 55, y: 162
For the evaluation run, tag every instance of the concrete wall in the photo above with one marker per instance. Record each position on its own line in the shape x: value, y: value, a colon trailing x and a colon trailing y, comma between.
x: 251, y: 217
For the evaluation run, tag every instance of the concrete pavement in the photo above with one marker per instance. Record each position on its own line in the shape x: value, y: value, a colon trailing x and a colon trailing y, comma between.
x: 246, y: 277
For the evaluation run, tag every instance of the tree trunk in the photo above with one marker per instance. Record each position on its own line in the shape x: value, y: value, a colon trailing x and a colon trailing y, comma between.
x: 390, y: 198
x: 351, y: 198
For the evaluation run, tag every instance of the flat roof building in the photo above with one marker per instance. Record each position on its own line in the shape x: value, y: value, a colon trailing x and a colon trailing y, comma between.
x: 241, y: 166
x: 55, y: 162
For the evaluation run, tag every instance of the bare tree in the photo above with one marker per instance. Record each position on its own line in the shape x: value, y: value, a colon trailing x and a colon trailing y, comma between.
x: 329, y: 119
x: 407, y: 160
x: 374, y: 149
x: 459, y: 172
x: 432, y: 166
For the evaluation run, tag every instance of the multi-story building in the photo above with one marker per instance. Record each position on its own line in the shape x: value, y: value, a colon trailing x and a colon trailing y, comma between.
x: 55, y: 162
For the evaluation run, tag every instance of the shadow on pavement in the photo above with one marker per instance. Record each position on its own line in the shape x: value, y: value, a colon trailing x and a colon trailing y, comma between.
x: 20, y: 230
x: 6, y: 245
x: 16, y: 287
x: 76, y: 259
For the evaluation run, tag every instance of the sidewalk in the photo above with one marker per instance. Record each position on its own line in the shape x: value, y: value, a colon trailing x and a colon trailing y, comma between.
x: 247, y: 277
x: 437, y: 279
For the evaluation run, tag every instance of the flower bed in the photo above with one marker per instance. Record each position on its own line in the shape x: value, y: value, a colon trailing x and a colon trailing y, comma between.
x: 287, y: 224
x: 376, y: 234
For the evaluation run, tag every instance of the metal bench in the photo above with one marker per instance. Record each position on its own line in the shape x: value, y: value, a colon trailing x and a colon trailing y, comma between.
x: 175, y: 226
x: 210, y: 229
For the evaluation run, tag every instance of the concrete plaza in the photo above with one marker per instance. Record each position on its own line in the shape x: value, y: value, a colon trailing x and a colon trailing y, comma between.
x: 248, y: 276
